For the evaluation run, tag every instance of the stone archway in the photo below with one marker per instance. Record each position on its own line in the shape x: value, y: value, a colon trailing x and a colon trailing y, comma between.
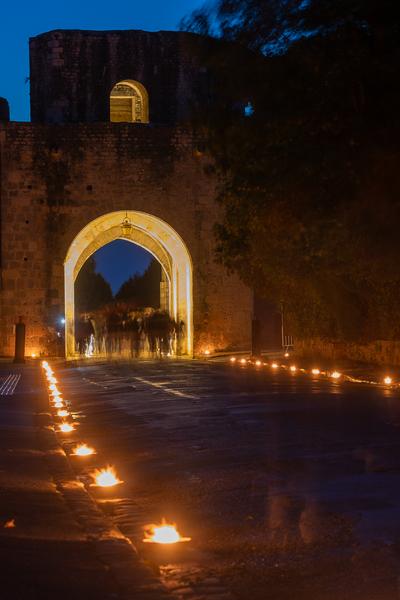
x: 153, y: 234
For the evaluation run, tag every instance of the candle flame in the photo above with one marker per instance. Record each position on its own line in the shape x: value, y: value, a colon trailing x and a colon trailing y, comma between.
x: 163, y: 534
x: 315, y: 371
x: 58, y: 404
x: 274, y: 365
x: 388, y: 380
x: 83, y: 450
x: 258, y: 363
x: 66, y: 427
x: 243, y: 361
x: 293, y: 368
x: 287, y: 355
x: 336, y: 375
x: 63, y: 413
x: 233, y: 359
x: 106, y: 477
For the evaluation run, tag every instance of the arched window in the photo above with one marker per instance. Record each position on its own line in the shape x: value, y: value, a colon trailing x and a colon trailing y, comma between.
x: 129, y: 103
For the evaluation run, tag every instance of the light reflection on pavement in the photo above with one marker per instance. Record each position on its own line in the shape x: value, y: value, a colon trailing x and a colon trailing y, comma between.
x: 285, y: 484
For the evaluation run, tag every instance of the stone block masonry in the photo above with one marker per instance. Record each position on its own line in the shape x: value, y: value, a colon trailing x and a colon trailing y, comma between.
x: 56, y: 178
x: 71, y: 166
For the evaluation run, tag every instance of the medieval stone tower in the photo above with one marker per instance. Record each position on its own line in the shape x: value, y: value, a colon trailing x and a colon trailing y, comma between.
x: 110, y: 154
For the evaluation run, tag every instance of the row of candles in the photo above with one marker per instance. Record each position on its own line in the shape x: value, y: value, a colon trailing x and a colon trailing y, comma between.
x: 163, y: 533
x: 387, y: 380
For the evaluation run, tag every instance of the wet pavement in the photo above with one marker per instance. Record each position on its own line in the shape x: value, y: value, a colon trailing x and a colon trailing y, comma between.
x: 55, y: 541
x: 289, y: 486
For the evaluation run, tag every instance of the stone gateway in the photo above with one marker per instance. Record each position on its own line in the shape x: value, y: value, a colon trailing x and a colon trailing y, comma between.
x: 110, y: 154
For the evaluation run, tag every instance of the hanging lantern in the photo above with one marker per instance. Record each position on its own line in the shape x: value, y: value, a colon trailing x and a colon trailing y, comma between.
x: 126, y: 226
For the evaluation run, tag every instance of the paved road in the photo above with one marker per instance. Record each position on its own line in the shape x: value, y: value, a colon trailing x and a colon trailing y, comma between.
x: 44, y: 552
x: 289, y: 486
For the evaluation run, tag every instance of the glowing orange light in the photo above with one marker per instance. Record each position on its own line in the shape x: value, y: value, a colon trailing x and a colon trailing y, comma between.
x: 66, y: 427
x: 163, y: 534
x: 315, y: 371
x: 83, y: 450
x: 287, y: 354
x: 9, y: 524
x: 106, y: 477
x: 62, y: 413
x: 58, y: 404
x: 243, y: 361
x: 45, y: 364
x: 388, y: 380
x: 53, y: 387
x: 33, y: 355
x: 207, y: 352
x: 52, y: 379
x: 274, y: 365
x: 258, y: 363
x: 336, y: 375
x: 293, y: 368
x: 233, y: 359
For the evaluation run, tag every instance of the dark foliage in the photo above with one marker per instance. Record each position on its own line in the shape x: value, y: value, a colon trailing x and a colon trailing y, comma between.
x: 309, y: 182
x: 92, y: 291
x: 142, y: 290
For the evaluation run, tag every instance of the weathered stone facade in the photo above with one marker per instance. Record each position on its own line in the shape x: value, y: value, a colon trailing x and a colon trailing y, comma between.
x: 71, y: 166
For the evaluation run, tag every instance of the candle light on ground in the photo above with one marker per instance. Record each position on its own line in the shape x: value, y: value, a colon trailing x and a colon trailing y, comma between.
x: 163, y: 534
x: 106, y: 477
x: 63, y: 413
x: 258, y: 363
x: 274, y: 366
x: 66, y: 427
x: 243, y: 361
x: 58, y: 404
x: 388, y: 380
x: 233, y: 359
x: 83, y: 450
x: 336, y: 375
x: 315, y: 371
x: 293, y: 368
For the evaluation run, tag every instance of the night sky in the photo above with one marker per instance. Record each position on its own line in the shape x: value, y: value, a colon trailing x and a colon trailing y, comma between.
x: 119, y: 260
x: 24, y: 19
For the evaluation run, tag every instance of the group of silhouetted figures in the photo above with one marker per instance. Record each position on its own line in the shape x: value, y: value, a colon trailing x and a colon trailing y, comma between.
x: 134, y: 333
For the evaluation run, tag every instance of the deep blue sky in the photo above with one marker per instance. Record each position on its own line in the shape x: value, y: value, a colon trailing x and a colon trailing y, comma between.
x: 21, y: 20
x: 26, y: 18
x: 119, y: 260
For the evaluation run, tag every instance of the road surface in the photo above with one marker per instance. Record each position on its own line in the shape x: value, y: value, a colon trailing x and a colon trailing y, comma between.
x: 289, y: 486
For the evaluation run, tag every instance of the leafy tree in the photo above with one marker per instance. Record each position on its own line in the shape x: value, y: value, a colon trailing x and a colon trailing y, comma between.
x: 91, y: 289
x: 309, y: 182
x: 142, y: 290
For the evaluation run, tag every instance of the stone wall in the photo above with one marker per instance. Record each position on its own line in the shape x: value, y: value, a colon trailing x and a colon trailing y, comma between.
x: 72, y: 73
x: 381, y: 352
x: 55, y: 179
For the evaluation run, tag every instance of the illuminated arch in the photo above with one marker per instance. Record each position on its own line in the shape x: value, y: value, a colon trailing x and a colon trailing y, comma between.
x: 153, y: 234
x: 129, y: 102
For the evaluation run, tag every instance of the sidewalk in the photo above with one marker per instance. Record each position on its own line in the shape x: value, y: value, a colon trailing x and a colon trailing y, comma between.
x: 54, y: 540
